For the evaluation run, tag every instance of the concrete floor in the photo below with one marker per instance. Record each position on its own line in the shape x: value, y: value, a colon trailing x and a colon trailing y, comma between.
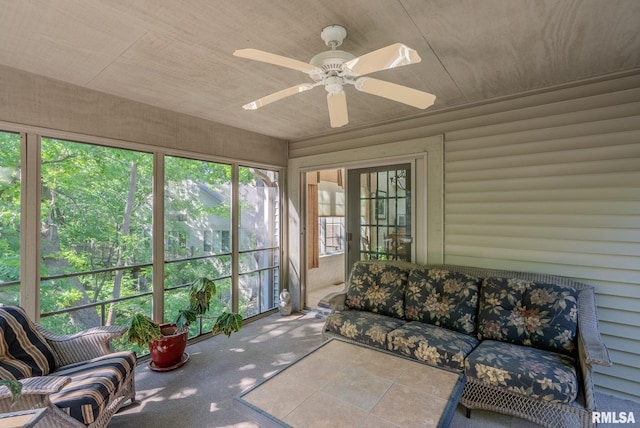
x: 201, y: 393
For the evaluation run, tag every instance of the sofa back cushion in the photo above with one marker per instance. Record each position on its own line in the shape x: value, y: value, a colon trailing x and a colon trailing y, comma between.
x: 528, y: 313
x: 23, y: 351
x: 377, y: 287
x: 443, y: 298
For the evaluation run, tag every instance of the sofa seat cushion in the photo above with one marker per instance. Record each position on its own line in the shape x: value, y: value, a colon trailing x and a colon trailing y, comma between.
x: 529, y: 313
x: 433, y: 345
x: 92, y: 384
x: 443, y: 298
x: 363, y: 327
x: 523, y: 370
x: 378, y: 288
x: 24, y: 352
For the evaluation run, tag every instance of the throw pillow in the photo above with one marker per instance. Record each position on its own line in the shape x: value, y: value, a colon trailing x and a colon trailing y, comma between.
x: 378, y: 288
x: 24, y: 352
x: 443, y: 298
x: 529, y: 313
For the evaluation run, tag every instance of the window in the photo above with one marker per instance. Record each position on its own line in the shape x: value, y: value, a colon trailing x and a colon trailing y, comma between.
x: 10, y: 177
x: 331, y: 235
x: 96, y: 217
x: 225, y: 241
x: 197, y: 201
x: 258, y: 240
x: 207, y: 241
x: 96, y: 253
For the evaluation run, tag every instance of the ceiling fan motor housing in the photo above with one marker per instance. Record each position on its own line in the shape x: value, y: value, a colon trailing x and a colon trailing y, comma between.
x: 330, y: 62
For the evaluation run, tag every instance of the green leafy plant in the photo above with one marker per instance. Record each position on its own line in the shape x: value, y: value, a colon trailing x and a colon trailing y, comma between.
x: 143, y: 330
x: 227, y: 323
x: 15, y: 388
x: 202, y: 291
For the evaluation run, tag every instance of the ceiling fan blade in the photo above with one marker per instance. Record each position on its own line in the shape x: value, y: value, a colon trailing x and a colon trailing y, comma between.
x: 392, y: 91
x: 392, y: 56
x: 261, y: 102
x: 337, y: 109
x: 274, y: 59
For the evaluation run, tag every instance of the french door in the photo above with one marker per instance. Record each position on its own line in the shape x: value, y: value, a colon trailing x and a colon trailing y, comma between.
x: 379, y: 214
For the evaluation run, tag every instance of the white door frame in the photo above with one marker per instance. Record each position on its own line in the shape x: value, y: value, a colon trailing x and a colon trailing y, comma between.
x: 428, y: 155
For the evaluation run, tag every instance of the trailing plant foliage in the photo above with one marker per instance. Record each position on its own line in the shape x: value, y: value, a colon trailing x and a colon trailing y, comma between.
x: 227, y: 323
x: 143, y: 330
x: 202, y: 290
x: 185, y: 318
x: 15, y: 388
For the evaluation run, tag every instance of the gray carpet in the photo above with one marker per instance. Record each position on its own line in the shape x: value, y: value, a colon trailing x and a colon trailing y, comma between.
x: 200, y: 394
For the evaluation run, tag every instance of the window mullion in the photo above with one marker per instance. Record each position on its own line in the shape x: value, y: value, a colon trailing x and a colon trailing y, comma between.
x: 30, y: 225
x: 158, y: 237
x: 235, y: 232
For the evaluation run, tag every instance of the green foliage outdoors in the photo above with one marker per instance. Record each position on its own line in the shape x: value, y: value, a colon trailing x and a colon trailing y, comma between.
x: 96, y: 214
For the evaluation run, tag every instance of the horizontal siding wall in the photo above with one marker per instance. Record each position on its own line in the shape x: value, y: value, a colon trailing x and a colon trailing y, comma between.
x: 548, y: 182
x: 558, y: 194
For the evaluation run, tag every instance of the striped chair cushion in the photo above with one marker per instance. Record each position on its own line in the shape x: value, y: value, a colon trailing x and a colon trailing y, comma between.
x: 23, y: 351
x: 92, y: 384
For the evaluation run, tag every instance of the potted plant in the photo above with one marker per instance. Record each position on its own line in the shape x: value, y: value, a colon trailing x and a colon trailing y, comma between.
x: 167, y: 342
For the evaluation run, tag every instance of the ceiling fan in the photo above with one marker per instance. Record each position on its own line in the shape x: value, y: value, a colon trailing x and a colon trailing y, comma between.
x: 335, y: 68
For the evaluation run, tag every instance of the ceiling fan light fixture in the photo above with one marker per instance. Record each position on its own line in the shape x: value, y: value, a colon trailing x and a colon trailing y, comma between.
x: 333, y: 85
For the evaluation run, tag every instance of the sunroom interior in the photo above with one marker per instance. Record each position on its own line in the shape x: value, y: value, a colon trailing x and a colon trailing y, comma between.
x: 129, y: 166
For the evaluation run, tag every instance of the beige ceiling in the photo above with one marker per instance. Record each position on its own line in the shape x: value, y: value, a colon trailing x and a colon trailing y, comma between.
x: 177, y: 54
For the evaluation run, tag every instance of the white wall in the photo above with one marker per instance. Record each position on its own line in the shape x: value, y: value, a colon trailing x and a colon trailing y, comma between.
x: 550, y: 183
x: 330, y: 272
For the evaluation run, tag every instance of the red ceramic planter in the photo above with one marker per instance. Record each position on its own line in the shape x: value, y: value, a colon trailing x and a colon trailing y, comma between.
x: 168, y: 351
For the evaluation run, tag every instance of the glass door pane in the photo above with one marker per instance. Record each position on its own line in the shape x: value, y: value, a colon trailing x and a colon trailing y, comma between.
x: 379, y: 226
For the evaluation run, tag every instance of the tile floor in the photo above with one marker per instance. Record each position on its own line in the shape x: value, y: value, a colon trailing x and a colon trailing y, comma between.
x: 362, y: 387
x: 314, y: 296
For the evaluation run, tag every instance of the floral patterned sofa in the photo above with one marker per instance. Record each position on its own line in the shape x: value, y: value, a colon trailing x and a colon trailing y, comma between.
x: 526, y: 342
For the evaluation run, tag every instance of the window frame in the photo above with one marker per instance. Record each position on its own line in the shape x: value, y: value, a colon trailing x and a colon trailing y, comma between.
x: 30, y: 217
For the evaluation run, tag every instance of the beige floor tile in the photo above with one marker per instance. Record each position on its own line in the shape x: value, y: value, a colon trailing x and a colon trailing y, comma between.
x: 314, y: 412
x: 358, y: 387
x: 429, y: 380
x: 314, y: 296
x: 270, y: 396
x: 408, y: 408
x: 380, y: 364
x: 376, y: 422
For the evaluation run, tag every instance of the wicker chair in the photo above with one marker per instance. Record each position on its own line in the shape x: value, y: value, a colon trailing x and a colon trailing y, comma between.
x: 76, y: 377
